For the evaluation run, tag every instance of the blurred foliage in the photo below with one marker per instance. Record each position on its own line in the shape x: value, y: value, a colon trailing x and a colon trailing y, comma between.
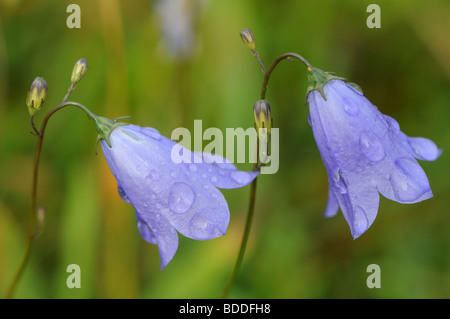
x: 293, y: 252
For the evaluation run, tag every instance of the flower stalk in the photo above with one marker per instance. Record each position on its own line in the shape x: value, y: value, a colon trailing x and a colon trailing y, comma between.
x: 263, y: 119
x: 34, y: 101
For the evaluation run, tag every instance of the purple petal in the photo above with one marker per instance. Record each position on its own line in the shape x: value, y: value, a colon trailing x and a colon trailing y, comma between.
x: 365, y: 153
x: 170, y: 197
x: 424, y: 149
x: 332, y: 205
x: 156, y: 229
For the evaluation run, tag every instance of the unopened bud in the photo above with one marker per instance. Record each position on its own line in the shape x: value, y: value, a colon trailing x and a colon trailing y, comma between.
x: 249, y: 39
x: 79, y: 70
x: 36, y: 95
x: 263, y: 116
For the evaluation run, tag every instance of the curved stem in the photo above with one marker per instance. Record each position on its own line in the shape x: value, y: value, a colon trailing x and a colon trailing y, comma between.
x: 282, y: 57
x: 257, y: 167
x: 33, y: 209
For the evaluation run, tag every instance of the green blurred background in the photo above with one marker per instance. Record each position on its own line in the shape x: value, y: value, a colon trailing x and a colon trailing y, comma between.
x: 293, y: 252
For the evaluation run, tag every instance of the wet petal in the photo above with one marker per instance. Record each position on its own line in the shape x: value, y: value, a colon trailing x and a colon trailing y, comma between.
x: 168, y: 196
x: 218, y: 170
x: 409, y: 181
x: 424, y: 149
x: 332, y: 205
x: 365, y: 154
x: 156, y: 229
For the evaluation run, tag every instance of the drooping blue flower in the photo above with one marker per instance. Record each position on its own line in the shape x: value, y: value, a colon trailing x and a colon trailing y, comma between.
x: 169, y: 197
x: 365, y: 152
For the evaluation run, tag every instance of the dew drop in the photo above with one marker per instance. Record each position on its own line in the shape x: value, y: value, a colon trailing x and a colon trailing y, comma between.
x: 350, y: 107
x: 158, y: 217
x: 355, y: 87
x: 371, y: 147
x: 204, y: 175
x: 181, y: 198
x: 154, y: 175
x: 408, y: 180
x: 193, y: 168
x: 206, y: 186
x: 213, y: 179
x: 240, y: 177
x: 173, y: 174
x: 200, y: 227
x: 218, y: 232
x: 393, y: 125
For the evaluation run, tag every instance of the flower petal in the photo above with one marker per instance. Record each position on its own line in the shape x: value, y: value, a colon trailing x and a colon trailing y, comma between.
x: 156, y: 229
x: 168, y: 196
x: 365, y: 154
x: 424, y: 149
x: 332, y: 205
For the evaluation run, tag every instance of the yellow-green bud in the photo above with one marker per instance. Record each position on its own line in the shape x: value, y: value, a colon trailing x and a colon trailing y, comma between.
x: 249, y: 39
x: 263, y: 116
x: 79, y: 70
x: 36, y: 95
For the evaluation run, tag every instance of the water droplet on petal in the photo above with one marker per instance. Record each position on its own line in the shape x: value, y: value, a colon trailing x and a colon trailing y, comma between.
x: 355, y: 88
x: 360, y: 222
x: 206, y: 186
x: 371, y: 147
x: 393, y: 125
x: 151, y: 132
x: 154, y: 175
x: 173, y: 174
x: 218, y: 232
x: 350, y: 107
x: 181, y: 198
x: 200, y: 227
x: 193, y: 168
x: 213, y: 179
x: 157, y: 217
x: 241, y: 177
x: 204, y: 175
x: 340, y: 182
x: 408, y: 180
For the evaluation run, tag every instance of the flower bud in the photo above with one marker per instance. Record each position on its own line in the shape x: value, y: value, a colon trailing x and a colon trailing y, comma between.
x: 263, y: 116
x: 79, y: 70
x: 249, y: 39
x: 36, y: 95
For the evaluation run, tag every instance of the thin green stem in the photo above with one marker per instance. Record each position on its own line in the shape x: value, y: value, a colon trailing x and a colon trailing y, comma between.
x: 282, y: 57
x: 257, y: 167
x: 33, y: 208
x: 248, y: 224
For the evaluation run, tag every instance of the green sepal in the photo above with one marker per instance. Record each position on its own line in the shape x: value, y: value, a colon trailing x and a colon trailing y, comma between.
x: 105, y: 127
x: 317, y: 80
